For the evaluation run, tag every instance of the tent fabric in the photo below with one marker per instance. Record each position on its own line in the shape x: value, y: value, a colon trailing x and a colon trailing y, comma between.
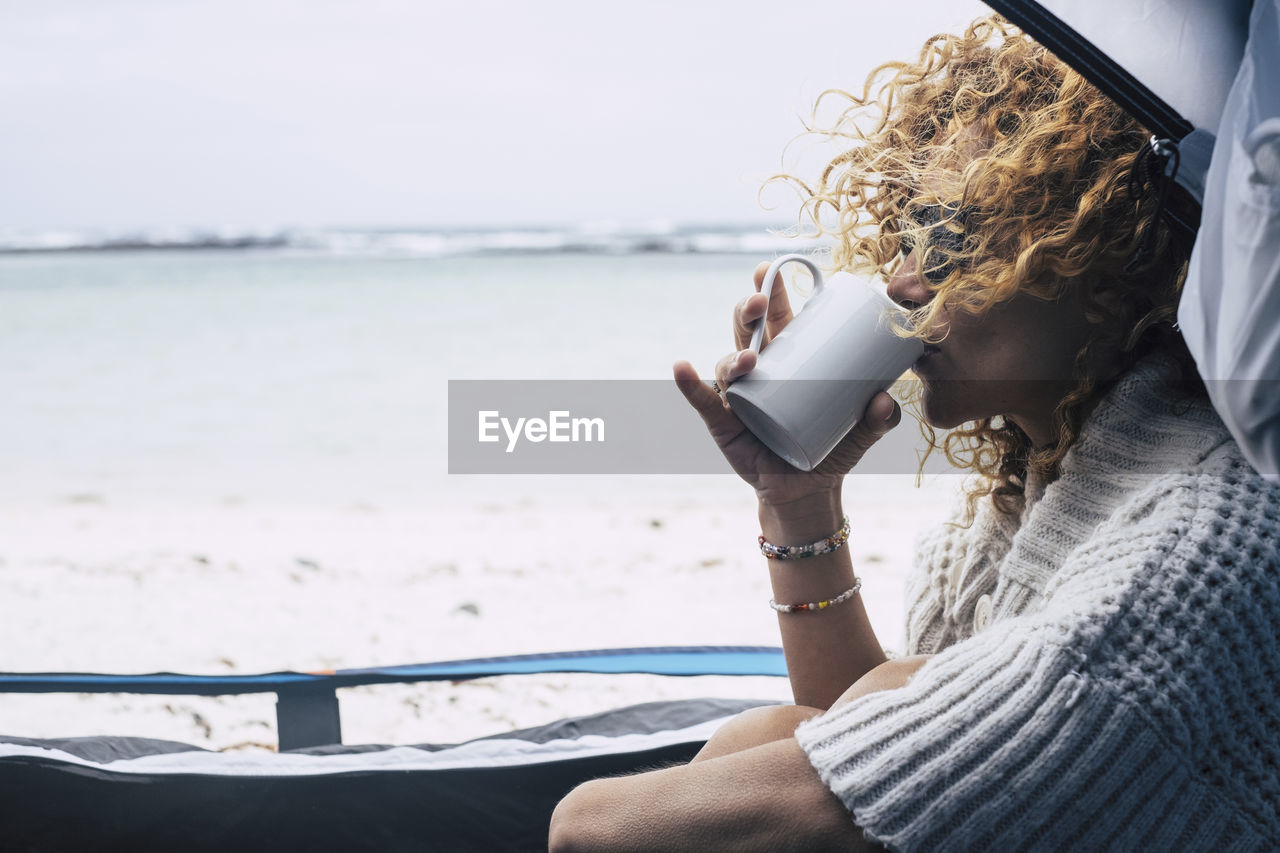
x: 1168, y: 63
x: 1180, y: 56
x: 620, y: 731
x: 1231, y: 300
x: 657, y: 660
x: 493, y: 793
x: 307, y: 708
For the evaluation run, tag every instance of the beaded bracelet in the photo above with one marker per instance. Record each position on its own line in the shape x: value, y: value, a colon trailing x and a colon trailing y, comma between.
x: 819, y: 605
x: 813, y: 549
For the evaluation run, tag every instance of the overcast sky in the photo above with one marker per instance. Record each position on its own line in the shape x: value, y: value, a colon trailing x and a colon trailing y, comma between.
x: 144, y: 113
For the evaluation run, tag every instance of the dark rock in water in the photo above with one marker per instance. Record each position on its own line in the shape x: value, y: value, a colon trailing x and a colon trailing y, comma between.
x: 468, y: 607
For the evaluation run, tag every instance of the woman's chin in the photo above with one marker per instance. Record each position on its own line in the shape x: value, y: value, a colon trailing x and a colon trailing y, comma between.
x: 941, y: 413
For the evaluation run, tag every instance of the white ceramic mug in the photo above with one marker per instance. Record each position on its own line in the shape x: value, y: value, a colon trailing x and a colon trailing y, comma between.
x: 814, y: 380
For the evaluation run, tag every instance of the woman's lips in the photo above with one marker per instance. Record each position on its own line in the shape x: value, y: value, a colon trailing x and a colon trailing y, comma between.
x: 930, y: 351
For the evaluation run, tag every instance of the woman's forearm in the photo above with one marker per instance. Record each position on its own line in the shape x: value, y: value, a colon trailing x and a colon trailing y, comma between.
x: 827, y: 650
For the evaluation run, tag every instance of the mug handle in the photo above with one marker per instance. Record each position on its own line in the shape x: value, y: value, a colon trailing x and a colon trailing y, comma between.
x: 757, y: 335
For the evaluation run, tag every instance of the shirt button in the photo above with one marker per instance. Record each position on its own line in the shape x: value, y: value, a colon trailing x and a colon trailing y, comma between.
x: 956, y: 569
x: 982, y: 614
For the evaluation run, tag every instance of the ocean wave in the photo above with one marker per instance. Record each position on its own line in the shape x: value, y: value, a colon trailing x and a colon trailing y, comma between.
x: 421, y: 242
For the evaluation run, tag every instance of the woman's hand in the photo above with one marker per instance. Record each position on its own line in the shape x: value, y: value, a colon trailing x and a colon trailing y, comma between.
x: 776, y: 481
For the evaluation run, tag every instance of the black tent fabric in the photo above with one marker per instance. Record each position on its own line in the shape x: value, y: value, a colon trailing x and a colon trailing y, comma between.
x: 490, y: 794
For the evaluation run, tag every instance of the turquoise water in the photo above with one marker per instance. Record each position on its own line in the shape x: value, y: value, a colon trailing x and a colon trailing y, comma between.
x: 194, y: 376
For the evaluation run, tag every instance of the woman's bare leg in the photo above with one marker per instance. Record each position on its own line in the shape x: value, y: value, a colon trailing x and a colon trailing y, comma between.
x: 755, y: 727
x: 777, y: 722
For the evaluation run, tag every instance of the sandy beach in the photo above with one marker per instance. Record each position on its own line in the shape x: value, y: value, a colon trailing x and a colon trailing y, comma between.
x: 251, y: 476
x: 242, y: 587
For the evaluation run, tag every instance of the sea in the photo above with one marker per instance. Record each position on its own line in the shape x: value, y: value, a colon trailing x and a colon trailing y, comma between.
x: 311, y: 366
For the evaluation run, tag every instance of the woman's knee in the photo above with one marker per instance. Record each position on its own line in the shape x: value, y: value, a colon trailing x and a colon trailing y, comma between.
x: 755, y: 727
x: 574, y: 819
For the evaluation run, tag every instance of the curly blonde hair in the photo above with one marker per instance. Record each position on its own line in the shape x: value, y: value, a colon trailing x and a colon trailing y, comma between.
x: 1045, y: 207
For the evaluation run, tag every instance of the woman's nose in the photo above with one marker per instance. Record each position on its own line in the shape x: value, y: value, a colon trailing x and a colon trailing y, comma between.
x: 906, y: 286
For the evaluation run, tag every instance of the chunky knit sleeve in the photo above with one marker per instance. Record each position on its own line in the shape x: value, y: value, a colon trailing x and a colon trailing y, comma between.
x: 1134, y: 706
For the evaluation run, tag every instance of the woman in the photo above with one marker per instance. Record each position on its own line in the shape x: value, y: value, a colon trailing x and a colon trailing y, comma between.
x: 1094, y: 660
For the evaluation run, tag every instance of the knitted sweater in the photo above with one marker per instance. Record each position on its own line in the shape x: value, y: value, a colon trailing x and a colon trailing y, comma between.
x: 1107, y: 669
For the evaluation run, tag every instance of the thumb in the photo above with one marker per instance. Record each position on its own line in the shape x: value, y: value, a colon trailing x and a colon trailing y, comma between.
x: 881, y: 415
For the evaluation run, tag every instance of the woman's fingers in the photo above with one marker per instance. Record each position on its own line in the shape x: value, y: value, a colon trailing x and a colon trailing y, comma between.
x: 708, y: 403
x: 734, y: 366
x: 745, y: 316
x: 775, y: 308
x: 779, y: 313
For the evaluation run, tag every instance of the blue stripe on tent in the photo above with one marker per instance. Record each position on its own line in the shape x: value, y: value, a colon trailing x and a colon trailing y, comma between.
x: 671, y: 660
x: 679, y: 661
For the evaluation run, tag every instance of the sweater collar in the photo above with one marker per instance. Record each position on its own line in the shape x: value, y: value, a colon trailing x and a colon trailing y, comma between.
x: 1139, y: 431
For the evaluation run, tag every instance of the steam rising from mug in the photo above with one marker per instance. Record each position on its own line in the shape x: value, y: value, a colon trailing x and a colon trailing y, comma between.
x: 812, y: 383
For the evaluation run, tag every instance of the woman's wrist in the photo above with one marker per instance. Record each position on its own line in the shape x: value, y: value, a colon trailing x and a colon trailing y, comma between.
x: 803, y: 519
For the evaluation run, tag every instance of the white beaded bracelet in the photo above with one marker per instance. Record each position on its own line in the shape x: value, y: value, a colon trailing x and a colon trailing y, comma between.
x: 819, y: 605
x: 834, y: 542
